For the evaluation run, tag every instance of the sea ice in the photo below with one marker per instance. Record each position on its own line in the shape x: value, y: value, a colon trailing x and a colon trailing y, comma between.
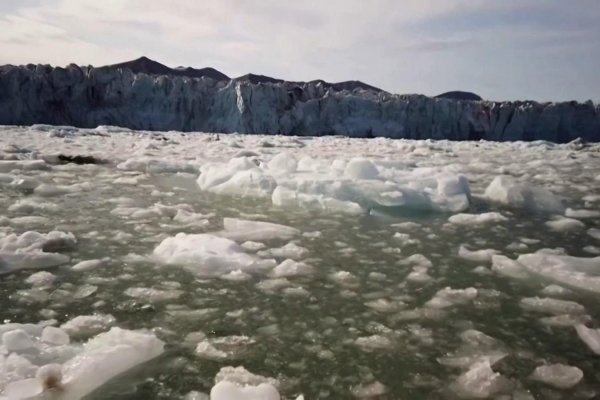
x: 240, y: 384
x: 558, y: 375
x: 208, y: 255
x: 480, y: 382
x: 475, y: 220
x: 591, y: 337
x: 244, y: 230
x: 506, y: 190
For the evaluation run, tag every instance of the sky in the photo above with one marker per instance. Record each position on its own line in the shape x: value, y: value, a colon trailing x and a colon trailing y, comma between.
x: 545, y: 50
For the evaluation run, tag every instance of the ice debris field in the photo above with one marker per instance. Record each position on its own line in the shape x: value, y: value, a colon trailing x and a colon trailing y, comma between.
x: 145, y: 265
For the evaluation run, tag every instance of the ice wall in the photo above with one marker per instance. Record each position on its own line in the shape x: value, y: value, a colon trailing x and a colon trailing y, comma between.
x: 87, y: 97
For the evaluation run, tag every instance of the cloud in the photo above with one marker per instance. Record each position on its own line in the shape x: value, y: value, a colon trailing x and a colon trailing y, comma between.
x: 508, y: 49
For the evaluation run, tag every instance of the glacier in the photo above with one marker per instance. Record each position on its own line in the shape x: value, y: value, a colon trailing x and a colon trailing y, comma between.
x: 88, y: 97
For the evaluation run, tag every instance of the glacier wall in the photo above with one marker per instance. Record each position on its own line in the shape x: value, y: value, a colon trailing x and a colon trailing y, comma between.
x: 88, y: 97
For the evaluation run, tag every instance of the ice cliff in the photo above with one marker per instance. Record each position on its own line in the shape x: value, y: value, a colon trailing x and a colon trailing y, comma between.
x: 88, y: 97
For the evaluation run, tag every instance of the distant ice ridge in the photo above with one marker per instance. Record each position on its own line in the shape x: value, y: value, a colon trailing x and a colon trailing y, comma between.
x: 88, y: 97
x: 352, y: 186
x: 75, y: 370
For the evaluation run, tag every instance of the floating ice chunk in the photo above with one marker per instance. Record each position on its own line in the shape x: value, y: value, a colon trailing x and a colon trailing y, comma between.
x: 361, y: 168
x: 476, y: 347
x: 566, y: 320
x: 239, y: 384
x: 239, y: 229
x: 484, y: 255
x: 236, y: 276
x: 562, y: 224
x: 55, y: 336
x: 283, y: 163
x: 226, y: 390
x: 295, y: 292
x: 571, y: 213
x: 253, y: 246
x: 224, y: 348
x: 373, y: 389
x: 576, y: 273
x: 419, y: 275
x: 17, y: 340
x: 48, y: 190
x: 344, y: 278
x: 374, y: 343
x: 384, y: 306
x: 417, y: 260
x: 194, y: 395
x: 10, y: 262
x: 591, y: 337
x: 477, y: 219
x: 25, y: 165
x: 153, y: 295
x: 404, y: 239
x: 154, y: 166
x: 30, y: 241
x: 449, y: 297
x: 283, y: 197
x: 508, y: 191
x: 551, y: 306
x: 88, y: 325
x: 31, y: 205
x: 270, y: 285
x: 41, y: 279
x: 594, y: 232
x: 507, y: 267
x: 86, y: 265
x: 208, y: 255
x: 105, y: 356
x: 558, y: 375
x: 191, y: 218
x: 555, y: 290
x: 480, y: 382
x: 290, y: 250
x: 291, y: 268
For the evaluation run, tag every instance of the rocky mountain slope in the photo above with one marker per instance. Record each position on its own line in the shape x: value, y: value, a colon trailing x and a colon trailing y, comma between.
x: 145, y: 96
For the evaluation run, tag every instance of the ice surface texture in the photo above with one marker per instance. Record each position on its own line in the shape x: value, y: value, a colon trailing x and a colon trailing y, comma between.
x: 88, y: 97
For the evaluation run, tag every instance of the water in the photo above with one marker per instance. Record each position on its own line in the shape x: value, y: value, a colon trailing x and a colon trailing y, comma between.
x: 307, y: 342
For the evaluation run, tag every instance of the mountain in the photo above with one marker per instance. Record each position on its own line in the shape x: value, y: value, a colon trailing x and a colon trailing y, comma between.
x: 162, y: 98
x: 151, y: 67
x: 458, y: 95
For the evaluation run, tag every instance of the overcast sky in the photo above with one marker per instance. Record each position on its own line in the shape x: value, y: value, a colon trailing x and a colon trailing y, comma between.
x: 500, y: 49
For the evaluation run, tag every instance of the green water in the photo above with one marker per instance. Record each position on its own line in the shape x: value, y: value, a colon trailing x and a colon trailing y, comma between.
x: 305, y: 342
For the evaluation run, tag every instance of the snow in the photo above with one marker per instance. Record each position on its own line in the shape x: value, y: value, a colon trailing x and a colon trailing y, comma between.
x: 209, y: 256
